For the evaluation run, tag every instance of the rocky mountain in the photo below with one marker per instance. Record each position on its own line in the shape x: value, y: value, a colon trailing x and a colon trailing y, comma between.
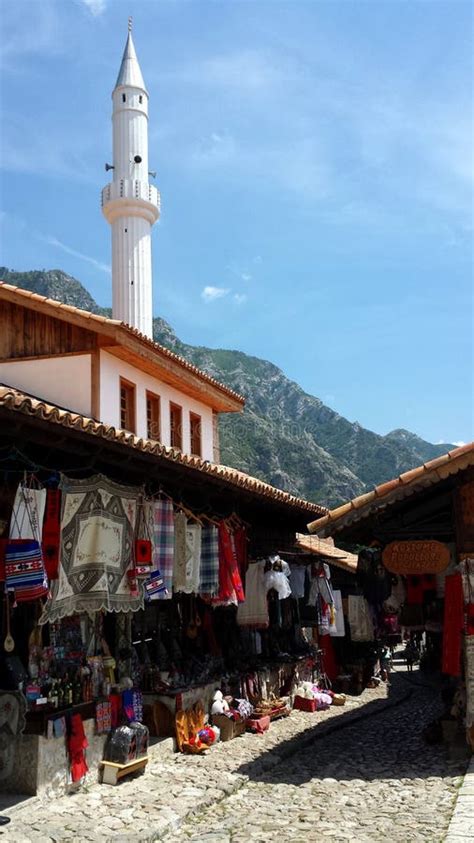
x: 285, y: 436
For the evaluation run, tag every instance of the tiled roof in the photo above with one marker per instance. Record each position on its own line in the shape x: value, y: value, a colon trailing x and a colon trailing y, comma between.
x: 18, y: 402
x: 94, y: 321
x: 401, y: 487
x: 327, y: 549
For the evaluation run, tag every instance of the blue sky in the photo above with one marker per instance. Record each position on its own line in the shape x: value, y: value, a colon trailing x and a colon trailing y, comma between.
x: 315, y: 165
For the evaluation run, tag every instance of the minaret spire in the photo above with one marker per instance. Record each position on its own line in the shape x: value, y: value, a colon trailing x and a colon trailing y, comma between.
x: 130, y: 203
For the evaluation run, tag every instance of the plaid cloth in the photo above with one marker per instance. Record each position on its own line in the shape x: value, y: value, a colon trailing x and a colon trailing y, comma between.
x: 163, y: 544
x: 209, y: 573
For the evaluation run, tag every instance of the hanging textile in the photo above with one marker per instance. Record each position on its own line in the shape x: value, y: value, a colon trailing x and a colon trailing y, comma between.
x: 77, y: 744
x: 28, y: 513
x: 241, y: 550
x: 329, y: 662
x: 453, y: 625
x: 226, y: 561
x: 97, y: 535
x: 297, y: 581
x: 182, y: 552
x: 163, y: 543
x: 360, y: 621
x: 193, y: 564
x: 230, y: 582
x: 24, y: 568
x: 52, y: 533
x: 321, y: 586
x: 337, y: 628
x: 209, y: 572
x: 254, y: 612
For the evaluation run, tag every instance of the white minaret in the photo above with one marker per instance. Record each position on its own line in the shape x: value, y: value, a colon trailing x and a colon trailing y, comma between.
x: 130, y: 203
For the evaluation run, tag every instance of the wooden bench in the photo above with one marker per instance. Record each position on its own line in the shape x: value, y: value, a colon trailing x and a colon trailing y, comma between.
x: 112, y: 772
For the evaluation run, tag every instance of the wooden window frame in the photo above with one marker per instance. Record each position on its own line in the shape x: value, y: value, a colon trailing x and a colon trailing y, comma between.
x: 195, y: 434
x: 131, y: 411
x: 153, y: 426
x: 174, y: 440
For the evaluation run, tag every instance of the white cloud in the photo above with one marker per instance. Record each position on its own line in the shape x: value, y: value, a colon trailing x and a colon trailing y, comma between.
x: 209, y: 294
x: 53, y: 241
x: 245, y: 276
x: 460, y: 443
x: 240, y: 298
x: 95, y: 7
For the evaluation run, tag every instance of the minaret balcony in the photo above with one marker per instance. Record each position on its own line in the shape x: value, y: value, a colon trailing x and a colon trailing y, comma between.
x: 131, y: 197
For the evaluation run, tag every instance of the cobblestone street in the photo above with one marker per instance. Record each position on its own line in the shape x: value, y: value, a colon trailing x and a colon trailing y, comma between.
x: 367, y: 782
x: 311, y: 777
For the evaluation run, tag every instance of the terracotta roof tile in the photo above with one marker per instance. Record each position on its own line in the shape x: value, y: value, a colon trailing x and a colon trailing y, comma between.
x: 19, y: 402
x: 437, y: 469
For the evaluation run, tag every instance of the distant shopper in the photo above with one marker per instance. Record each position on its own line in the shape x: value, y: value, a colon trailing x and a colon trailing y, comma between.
x: 412, y: 655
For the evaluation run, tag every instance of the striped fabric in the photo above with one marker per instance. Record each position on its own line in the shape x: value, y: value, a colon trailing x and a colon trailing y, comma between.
x: 23, y: 564
x: 155, y: 588
x: 163, y: 544
x: 209, y: 572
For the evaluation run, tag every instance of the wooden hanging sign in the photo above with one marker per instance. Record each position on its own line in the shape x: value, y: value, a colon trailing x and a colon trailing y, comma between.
x: 416, y: 557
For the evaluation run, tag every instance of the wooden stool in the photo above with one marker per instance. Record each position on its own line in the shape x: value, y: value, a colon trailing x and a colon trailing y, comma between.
x: 112, y: 772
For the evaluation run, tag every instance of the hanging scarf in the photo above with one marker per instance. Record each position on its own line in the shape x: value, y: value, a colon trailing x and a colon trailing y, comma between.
x: 52, y: 533
x: 163, y: 543
x: 453, y: 625
x: 209, y: 574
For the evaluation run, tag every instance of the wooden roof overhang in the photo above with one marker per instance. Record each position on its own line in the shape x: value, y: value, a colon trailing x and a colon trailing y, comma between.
x: 57, y: 440
x: 34, y: 326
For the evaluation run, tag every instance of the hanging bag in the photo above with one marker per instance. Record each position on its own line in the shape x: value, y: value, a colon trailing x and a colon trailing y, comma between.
x: 143, y: 562
x: 24, y: 567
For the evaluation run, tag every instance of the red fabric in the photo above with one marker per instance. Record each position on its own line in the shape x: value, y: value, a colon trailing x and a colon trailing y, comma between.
x: 226, y: 561
x: 415, y: 590
x: 51, y: 537
x: 229, y: 576
x: 453, y: 625
x: 241, y: 549
x: 330, y: 665
x: 77, y: 743
x: 115, y: 701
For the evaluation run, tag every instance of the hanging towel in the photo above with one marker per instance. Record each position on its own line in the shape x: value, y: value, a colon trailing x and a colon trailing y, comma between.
x: 193, y: 564
x: 297, y: 580
x: 360, y: 621
x: 453, y: 625
x: 163, y: 539
x: 337, y: 629
x: 182, y: 552
x: 254, y: 612
x: 209, y: 575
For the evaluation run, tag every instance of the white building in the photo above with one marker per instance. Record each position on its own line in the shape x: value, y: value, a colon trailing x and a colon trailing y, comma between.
x: 110, y: 369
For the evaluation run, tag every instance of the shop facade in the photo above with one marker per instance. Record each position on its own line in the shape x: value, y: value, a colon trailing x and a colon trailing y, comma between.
x: 123, y: 627
x: 415, y: 537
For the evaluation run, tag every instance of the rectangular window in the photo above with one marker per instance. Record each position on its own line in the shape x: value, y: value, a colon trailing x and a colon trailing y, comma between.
x: 127, y: 405
x: 176, y: 426
x: 153, y: 416
x: 195, y: 429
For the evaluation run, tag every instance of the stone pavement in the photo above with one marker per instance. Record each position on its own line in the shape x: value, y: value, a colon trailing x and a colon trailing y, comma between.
x: 461, y: 827
x: 307, y: 779
x: 371, y: 781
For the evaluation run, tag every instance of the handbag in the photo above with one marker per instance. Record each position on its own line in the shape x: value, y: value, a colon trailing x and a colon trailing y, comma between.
x: 24, y: 567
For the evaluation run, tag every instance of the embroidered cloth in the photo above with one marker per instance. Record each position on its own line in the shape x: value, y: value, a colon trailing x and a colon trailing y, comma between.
x: 97, y: 535
x: 254, y: 612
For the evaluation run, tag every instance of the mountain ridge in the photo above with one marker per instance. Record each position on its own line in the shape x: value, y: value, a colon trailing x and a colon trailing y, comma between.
x: 285, y: 436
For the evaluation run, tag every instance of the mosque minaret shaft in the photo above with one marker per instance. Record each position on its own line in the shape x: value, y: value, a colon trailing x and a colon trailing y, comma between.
x: 130, y: 203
